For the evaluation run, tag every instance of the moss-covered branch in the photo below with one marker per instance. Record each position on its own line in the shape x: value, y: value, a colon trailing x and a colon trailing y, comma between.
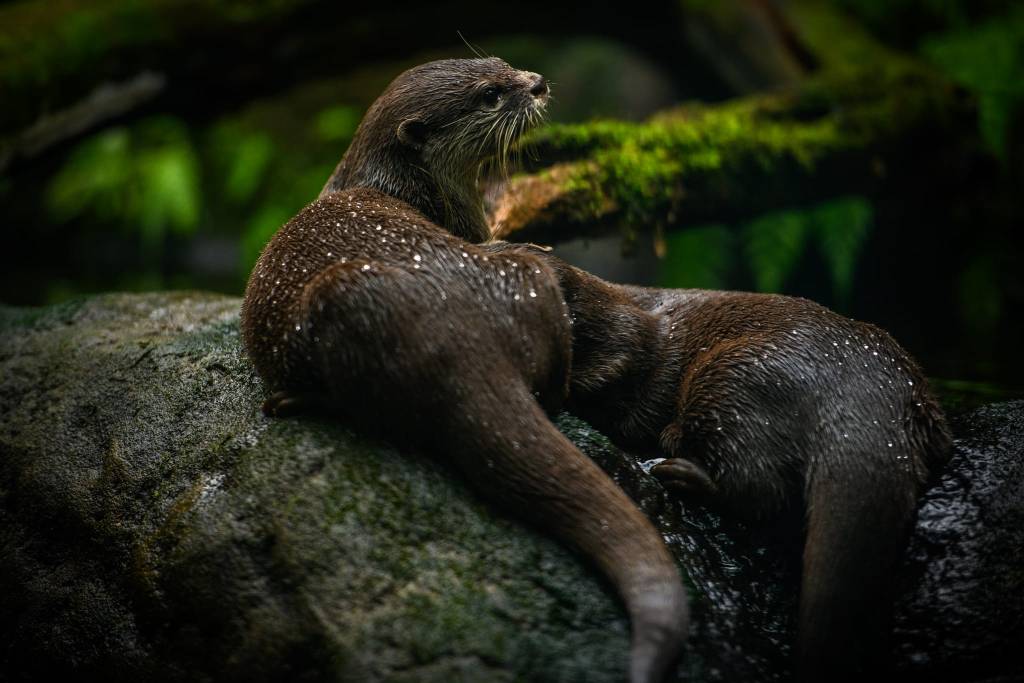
x: 847, y: 127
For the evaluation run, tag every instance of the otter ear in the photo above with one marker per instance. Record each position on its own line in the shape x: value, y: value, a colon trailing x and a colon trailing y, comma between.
x: 412, y: 132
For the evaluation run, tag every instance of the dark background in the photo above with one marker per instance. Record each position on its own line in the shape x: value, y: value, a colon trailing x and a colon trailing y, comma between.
x: 157, y: 144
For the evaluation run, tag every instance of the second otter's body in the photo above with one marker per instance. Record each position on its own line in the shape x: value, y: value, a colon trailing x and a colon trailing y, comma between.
x: 761, y: 402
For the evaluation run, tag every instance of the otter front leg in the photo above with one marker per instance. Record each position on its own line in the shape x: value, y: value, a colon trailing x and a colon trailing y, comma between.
x: 683, y: 476
x: 288, y: 403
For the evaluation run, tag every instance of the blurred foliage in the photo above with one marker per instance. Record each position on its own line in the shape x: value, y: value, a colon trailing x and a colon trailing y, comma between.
x: 145, y: 178
x: 156, y: 178
x: 988, y: 59
x: 773, y: 245
x: 840, y: 229
x: 771, y: 248
x: 52, y: 49
x: 980, y: 296
x: 169, y: 185
x: 903, y: 22
x: 978, y: 43
x: 701, y: 258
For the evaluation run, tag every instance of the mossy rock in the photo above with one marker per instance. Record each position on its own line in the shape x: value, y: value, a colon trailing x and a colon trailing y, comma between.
x: 155, y: 526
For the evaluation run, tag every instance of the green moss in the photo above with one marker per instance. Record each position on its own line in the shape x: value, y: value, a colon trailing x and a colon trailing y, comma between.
x: 642, y: 168
x: 646, y: 169
x: 862, y: 99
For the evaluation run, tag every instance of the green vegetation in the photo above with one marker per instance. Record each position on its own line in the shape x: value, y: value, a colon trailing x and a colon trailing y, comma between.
x: 988, y: 59
x: 156, y: 177
x: 783, y: 190
x: 144, y: 179
x: 767, y: 250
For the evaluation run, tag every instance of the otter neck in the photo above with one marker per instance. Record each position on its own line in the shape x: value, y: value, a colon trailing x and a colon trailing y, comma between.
x: 451, y: 199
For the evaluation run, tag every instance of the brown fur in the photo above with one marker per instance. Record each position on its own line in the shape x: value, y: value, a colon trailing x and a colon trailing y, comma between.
x: 761, y: 401
x: 364, y: 301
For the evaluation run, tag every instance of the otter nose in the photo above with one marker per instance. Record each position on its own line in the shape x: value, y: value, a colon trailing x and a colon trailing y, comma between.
x: 540, y: 87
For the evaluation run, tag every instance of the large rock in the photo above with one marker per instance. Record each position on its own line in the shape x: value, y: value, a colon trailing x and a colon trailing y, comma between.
x: 155, y: 526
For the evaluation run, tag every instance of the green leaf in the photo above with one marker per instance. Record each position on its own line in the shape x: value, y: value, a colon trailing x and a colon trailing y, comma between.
x: 988, y: 59
x: 248, y: 165
x: 95, y: 179
x: 145, y: 178
x: 337, y: 123
x: 701, y: 258
x: 169, y: 191
x: 773, y: 244
x: 840, y: 228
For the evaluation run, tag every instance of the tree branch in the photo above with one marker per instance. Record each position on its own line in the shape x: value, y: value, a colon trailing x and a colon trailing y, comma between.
x: 864, y: 116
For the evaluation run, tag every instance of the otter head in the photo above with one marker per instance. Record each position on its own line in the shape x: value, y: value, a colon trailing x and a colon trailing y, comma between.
x: 425, y: 138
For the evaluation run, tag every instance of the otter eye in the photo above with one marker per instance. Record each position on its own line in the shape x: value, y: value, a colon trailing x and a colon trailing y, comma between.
x: 491, y: 95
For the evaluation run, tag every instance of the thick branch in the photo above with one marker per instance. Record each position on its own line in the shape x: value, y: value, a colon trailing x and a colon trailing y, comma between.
x: 848, y: 127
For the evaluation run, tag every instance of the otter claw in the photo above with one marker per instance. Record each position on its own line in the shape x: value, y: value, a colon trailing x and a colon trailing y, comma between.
x: 682, y: 476
x: 286, y: 404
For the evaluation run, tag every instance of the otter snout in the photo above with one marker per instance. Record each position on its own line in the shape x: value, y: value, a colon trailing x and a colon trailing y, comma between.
x: 540, y: 86
x: 534, y: 83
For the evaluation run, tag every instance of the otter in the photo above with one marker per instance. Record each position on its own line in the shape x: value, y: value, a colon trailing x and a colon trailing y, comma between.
x: 755, y: 403
x: 376, y: 302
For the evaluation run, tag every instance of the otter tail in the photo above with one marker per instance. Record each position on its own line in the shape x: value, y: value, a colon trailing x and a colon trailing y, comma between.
x: 859, y: 516
x: 518, y: 458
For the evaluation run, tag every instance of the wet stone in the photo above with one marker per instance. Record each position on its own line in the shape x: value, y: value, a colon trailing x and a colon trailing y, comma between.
x: 154, y: 525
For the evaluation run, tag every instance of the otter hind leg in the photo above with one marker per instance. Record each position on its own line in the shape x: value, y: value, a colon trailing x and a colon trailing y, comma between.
x: 685, y: 477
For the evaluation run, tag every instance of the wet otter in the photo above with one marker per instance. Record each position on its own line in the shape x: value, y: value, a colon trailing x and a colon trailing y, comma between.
x: 374, y: 301
x: 757, y: 401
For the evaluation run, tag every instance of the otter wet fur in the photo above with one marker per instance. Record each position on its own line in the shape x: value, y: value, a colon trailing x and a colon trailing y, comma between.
x: 758, y: 403
x: 376, y: 302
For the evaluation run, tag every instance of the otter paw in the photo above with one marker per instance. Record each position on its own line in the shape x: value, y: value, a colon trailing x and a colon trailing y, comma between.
x: 682, y: 476
x: 286, y: 404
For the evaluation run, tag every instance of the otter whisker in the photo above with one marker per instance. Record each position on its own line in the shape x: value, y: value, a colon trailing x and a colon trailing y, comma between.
x: 506, y: 132
x: 468, y: 44
x: 499, y: 143
x: 486, y: 136
x: 460, y: 119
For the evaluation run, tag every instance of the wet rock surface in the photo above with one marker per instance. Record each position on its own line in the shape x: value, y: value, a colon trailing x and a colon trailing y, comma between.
x: 155, y: 526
